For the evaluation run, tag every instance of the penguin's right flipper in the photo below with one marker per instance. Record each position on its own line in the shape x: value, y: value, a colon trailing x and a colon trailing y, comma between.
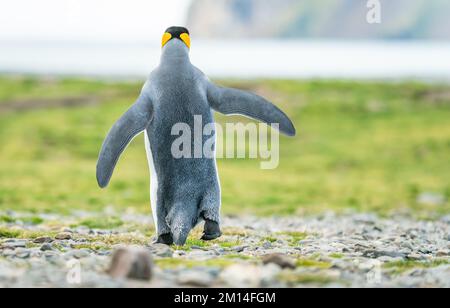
x: 133, y: 122
x: 232, y: 101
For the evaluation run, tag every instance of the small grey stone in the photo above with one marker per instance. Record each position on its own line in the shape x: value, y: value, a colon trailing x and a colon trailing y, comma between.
x: 13, y: 244
x: 161, y: 250
x: 305, y: 242
x: 179, y: 253
x: 195, y: 278
x: 242, y: 276
x: 77, y: 254
x: 63, y: 236
x: 47, y: 247
x: 282, y: 261
x: 22, y: 253
x: 374, y: 254
x: 219, y: 251
x: 83, y: 230
x: 239, y: 248
x: 8, y: 253
x: 131, y: 262
x: 416, y: 257
x: 201, y: 254
x: 42, y: 240
x: 104, y: 253
x: 443, y: 253
x: 267, y: 245
x: 197, y: 247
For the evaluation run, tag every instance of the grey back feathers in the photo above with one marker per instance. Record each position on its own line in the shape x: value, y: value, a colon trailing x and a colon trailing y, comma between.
x: 186, y: 190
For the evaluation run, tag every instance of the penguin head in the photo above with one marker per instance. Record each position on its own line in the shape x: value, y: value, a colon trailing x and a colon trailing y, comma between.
x: 179, y: 33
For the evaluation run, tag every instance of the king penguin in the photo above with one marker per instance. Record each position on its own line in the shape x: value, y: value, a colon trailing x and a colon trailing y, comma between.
x: 184, y: 191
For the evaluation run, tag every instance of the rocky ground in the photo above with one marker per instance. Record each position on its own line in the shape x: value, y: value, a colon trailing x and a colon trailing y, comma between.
x: 354, y: 250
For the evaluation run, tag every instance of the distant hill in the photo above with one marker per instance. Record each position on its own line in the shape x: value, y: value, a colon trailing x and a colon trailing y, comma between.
x: 342, y: 19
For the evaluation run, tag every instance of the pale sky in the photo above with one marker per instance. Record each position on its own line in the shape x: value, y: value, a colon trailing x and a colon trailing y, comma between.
x: 89, y: 19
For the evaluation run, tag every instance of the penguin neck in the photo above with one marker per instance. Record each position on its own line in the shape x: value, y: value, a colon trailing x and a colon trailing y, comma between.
x: 175, y: 52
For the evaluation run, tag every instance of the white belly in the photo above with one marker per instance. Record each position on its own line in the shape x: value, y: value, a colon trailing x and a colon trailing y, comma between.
x: 153, y: 181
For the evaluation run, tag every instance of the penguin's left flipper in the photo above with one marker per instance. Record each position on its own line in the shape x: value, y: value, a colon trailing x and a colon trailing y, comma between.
x: 133, y: 122
x: 232, y: 101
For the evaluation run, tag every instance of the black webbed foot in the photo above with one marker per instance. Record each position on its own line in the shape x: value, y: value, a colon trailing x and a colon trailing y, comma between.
x: 211, y: 231
x: 165, y: 239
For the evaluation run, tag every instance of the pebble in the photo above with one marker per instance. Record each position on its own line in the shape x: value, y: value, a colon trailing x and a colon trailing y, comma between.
x: 374, y: 254
x: 132, y: 263
x: 161, y: 250
x: 12, y: 244
x: 22, y: 253
x: 47, y: 247
x: 354, y: 246
x: 282, y: 261
x: 42, y: 240
x: 77, y: 254
x: 195, y: 278
x: 267, y: 245
x: 63, y: 236
x: 239, y: 248
x: 415, y: 257
x: 239, y: 276
x: 443, y: 253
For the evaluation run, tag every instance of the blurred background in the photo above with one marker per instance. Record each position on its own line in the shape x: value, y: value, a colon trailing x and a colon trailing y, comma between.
x: 293, y: 38
x: 371, y: 101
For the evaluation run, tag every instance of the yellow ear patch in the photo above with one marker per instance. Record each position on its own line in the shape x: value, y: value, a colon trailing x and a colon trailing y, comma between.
x: 186, y: 39
x: 166, y: 37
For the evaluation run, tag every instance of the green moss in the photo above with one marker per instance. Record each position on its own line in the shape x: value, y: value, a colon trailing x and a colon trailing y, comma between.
x: 294, y: 279
x: 399, y: 267
x: 238, y: 256
x: 24, y: 234
x: 269, y: 239
x: 118, y: 239
x: 295, y: 237
x: 103, y: 223
x: 228, y: 244
x: 336, y: 255
x: 190, y: 242
x: 92, y: 246
x: 178, y: 262
x: 9, y: 233
x: 7, y: 219
x: 34, y: 220
x: 313, y: 263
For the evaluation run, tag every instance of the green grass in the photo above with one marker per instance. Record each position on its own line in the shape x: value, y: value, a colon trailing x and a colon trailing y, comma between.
x: 365, y: 146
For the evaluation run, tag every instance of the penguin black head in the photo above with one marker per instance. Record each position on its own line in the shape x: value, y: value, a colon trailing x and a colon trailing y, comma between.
x: 180, y: 33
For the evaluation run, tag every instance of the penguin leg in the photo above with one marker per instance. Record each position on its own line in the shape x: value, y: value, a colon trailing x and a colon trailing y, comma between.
x: 211, y: 230
x: 165, y: 239
x: 164, y: 232
x: 182, y: 220
x: 210, y: 212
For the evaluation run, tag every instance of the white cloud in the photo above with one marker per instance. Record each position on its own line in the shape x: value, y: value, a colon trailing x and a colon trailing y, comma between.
x: 89, y: 19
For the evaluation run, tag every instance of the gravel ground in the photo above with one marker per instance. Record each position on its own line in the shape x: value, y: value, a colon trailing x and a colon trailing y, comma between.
x: 355, y: 250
